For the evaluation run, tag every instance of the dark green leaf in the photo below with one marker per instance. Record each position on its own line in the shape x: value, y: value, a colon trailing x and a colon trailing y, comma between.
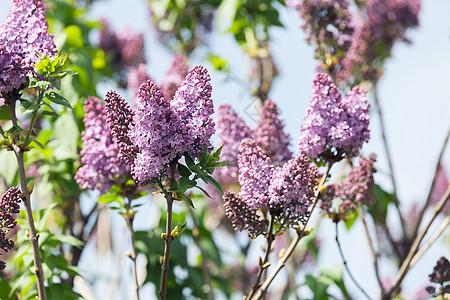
x: 5, y: 113
x: 209, y: 179
x: 58, y: 99
x: 183, y: 170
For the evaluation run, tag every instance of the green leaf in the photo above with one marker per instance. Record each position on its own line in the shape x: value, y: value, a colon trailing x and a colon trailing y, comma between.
x: 219, y: 63
x: 186, y: 183
x: 74, y: 37
x: 204, y: 192
x: 189, y: 161
x: 68, y: 239
x: 108, y: 198
x: 58, y: 99
x: 183, y: 170
x: 38, y: 143
x: 379, y: 209
x: 188, y: 200
x: 351, y: 219
x: 209, y: 179
x: 5, y: 113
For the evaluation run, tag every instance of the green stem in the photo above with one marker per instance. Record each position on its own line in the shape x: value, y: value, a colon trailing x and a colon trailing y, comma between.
x: 129, y: 218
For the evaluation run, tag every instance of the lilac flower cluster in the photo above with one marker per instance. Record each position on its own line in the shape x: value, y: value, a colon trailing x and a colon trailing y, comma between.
x: 102, y: 164
x: 232, y: 130
x: 174, y: 76
x: 155, y: 132
x: 23, y: 34
x: 242, y: 217
x: 125, y: 47
x: 286, y: 192
x: 193, y: 108
x: 441, y: 277
x: 354, y: 190
x: 9, y: 207
x: 386, y: 23
x: 352, y: 51
x: 328, y: 24
x: 120, y: 117
x: 158, y: 132
x: 268, y: 133
x: 333, y: 127
x: 292, y: 190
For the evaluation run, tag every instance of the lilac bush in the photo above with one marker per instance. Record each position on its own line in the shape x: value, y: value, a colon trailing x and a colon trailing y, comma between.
x: 9, y: 208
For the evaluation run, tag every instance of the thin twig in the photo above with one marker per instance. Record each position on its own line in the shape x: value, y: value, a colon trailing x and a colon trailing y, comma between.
x: 344, y: 261
x: 301, y: 232
x: 129, y: 218
x: 433, y: 182
x: 263, y: 264
x: 406, y: 265
x: 168, y: 242
x: 374, y: 255
x: 203, y: 266
x: 19, y: 152
x: 389, y: 157
x: 433, y: 238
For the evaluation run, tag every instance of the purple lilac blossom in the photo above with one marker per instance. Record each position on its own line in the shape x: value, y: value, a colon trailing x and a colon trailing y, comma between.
x: 292, y: 190
x: 125, y: 47
x: 255, y: 174
x: 243, y: 216
x: 136, y: 76
x: 386, y: 23
x: 23, y: 34
x: 333, y: 127
x: 174, y: 76
x: 353, y: 190
x: 9, y: 208
x: 330, y: 28
x: 119, y: 117
x: 156, y: 132
x: 270, y: 134
x: 441, y: 277
x: 193, y: 107
x: 232, y: 130
x: 102, y: 166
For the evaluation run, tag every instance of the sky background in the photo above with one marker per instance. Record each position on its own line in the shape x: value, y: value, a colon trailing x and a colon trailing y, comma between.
x: 413, y: 91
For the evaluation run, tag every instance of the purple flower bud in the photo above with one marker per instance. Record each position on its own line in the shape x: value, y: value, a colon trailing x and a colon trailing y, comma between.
x: 119, y: 117
x: 242, y: 216
x: 9, y: 208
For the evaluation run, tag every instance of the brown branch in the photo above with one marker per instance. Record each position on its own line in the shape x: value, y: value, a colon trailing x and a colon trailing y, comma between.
x: 406, y: 265
x: 374, y: 255
x: 33, y: 236
x: 168, y: 242
x: 263, y: 264
x: 344, y: 261
x: 433, y: 182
